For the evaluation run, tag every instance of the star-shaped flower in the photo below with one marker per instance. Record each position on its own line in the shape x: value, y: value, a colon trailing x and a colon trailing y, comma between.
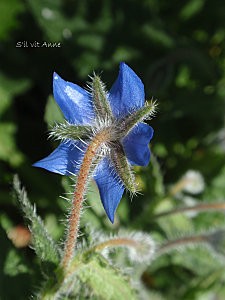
x: 121, y: 113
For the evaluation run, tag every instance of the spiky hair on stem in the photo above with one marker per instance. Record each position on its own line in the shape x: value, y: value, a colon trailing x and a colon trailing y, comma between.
x: 140, y: 246
x: 213, y: 241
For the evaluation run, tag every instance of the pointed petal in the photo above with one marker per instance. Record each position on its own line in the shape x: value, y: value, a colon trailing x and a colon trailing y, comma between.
x: 74, y: 101
x: 126, y: 93
x: 136, y: 144
x: 63, y: 160
x: 110, y: 187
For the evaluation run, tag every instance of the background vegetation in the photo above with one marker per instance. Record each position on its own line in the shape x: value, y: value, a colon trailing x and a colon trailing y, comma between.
x: 177, y: 48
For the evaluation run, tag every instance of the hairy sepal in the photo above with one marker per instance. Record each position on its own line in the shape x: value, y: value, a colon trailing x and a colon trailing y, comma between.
x: 123, y: 169
x: 67, y: 131
x: 146, y: 112
x: 99, y: 95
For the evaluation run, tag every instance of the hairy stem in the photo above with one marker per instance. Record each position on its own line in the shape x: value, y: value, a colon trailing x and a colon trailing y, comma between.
x: 196, y: 208
x: 181, y: 242
x: 116, y: 242
x: 79, y: 192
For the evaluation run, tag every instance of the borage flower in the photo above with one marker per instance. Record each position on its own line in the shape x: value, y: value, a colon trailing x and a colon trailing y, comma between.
x: 113, y: 122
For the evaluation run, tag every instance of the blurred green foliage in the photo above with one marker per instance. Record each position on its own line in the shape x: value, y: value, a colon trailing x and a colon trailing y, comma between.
x: 177, y: 48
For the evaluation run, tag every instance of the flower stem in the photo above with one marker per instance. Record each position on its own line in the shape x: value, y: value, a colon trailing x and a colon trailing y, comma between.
x: 79, y: 192
x: 170, y: 245
x: 196, y: 208
x: 116, y: 242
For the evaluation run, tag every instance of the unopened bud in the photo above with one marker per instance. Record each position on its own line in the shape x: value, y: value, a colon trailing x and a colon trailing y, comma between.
x: 20, y: 236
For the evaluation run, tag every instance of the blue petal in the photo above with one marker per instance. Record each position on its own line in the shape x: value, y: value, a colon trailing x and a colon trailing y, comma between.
x: 64, y: 160
x: 127, y: 93
x: 136, y: 144
x: 110, y: 187
x: 74, y: 101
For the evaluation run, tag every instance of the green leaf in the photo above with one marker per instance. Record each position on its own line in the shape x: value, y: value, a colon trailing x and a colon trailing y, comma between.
x: 88, y: 276
x: 199, y: 259
x: 9, y: 12
x: 97, y: 278
x: 53, y: 22
x: 53, y: 113
x: 10, y: 88
x: 125, y: 53
x: 192, y: 8
x: 43, y: 243
x: 15, y: 275
x: 14, y: 265
x: 158, y: 36
x: 8, y: 148
x: 105, y: 282
x: 216, y: 188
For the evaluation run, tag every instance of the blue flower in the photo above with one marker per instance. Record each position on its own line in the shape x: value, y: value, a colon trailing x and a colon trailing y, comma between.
x: 122, y: 109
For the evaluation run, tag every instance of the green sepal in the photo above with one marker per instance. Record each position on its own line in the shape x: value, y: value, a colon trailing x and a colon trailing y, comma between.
x: 67, y: 131
x: 101, y: 104
x: 123, y: 168
x: 144, y: 113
